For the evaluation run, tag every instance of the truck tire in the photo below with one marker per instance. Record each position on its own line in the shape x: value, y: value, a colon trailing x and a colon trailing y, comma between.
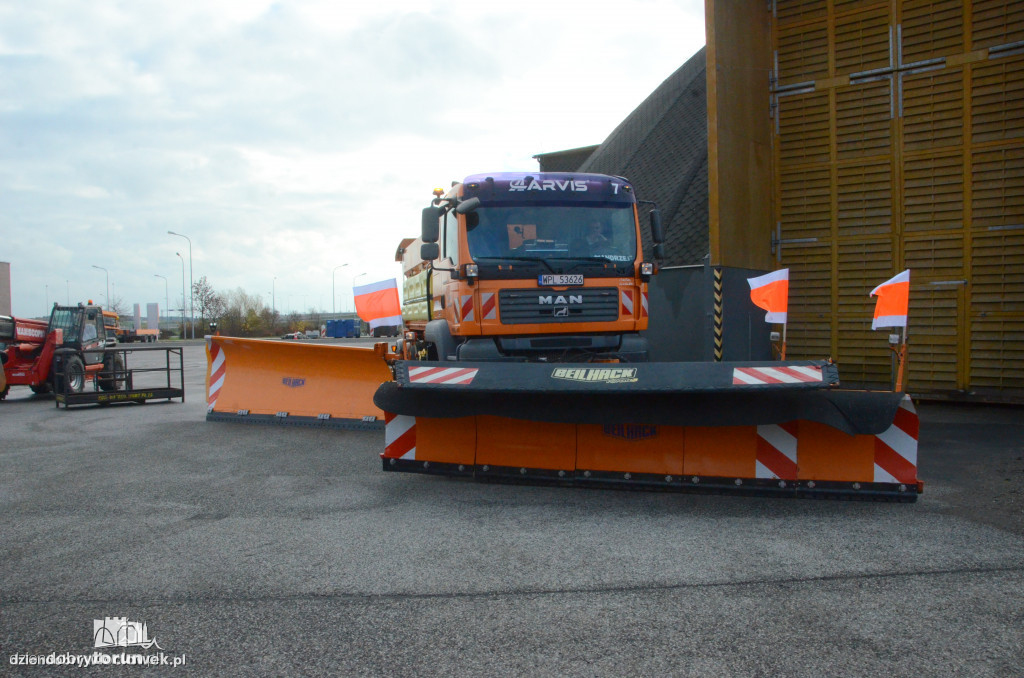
x: 112, y: 376
x: 74, y: 375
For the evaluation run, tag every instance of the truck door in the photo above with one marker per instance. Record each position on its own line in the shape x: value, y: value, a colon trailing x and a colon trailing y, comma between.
x: 94, y: 335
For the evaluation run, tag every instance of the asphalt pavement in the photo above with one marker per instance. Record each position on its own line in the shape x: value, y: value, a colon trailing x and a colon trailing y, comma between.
x: 273, y: 550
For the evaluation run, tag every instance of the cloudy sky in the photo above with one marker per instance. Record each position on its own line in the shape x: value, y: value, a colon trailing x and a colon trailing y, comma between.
x: 287, y: 138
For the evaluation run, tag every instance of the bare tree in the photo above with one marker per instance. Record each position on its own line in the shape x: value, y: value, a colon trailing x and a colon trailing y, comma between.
x: 210, y: 304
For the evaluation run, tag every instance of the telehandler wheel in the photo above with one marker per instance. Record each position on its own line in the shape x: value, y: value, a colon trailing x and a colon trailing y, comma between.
x: 42, y: 388
x: 74, y: 375
x: 112, y: 376
x: 4, y: 392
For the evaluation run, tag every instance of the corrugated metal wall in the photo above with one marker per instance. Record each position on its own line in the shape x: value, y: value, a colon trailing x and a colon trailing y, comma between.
x: 899, y: 143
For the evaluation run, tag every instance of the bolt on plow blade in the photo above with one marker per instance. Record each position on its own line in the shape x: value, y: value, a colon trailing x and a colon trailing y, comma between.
x: 261, y: 381
x: 778, y: 429
x: 794, y: 459
x: 681, y: 394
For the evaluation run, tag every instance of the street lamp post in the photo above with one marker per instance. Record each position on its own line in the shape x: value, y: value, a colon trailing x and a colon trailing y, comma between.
x: 178, y: 254
x: 191, y: 301
x: 166, y: 297
x: 108, y: 283
x: 334, y: 307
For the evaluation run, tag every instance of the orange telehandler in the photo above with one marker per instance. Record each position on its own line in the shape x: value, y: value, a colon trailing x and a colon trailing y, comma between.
x: 59, y: 355
x: 525, y: 299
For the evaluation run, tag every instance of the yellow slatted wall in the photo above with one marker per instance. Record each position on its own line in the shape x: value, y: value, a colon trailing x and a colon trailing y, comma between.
x: 899, y: 143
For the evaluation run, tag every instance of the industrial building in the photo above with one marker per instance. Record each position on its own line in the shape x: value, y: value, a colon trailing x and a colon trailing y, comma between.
x: 848, y: 140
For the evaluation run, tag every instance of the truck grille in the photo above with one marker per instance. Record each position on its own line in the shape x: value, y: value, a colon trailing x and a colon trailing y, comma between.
x: 591, y: 304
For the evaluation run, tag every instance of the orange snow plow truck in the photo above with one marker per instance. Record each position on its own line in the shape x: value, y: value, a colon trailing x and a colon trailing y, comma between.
x: 524, y: 358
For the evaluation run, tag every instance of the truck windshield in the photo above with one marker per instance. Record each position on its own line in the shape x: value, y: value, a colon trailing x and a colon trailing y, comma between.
x: 552, y: 232
x: 69, y: 320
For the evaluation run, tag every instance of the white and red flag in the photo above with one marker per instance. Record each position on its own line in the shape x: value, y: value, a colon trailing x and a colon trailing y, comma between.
x: 893, y: 301
x: 771, y: 292
x: 377, y: 303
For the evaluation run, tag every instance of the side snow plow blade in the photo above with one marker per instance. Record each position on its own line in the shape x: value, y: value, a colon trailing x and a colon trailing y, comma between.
x: 261, y: 381
x: 797, y: 458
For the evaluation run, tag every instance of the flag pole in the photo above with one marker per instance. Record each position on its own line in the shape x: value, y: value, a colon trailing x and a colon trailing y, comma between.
x: 902, y: 359
x: 782, y: 351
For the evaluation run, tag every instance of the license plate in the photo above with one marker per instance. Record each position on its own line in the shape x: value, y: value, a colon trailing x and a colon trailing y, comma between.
x: 556, y: 279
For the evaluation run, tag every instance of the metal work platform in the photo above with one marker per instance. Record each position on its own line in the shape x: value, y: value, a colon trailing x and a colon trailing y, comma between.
x: 161, y: 376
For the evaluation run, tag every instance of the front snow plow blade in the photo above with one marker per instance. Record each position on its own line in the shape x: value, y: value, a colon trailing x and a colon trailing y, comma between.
x: 680, y: 394
x: 689, y: 428
x: 261, y: 381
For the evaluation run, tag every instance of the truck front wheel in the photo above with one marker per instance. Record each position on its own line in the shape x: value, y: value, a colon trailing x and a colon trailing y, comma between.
x: 74, y: 375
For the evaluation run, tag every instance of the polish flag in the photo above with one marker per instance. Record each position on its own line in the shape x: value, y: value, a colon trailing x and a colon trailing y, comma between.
x: 771, y: 292
x: 377, y: 303
x: 893, y: 300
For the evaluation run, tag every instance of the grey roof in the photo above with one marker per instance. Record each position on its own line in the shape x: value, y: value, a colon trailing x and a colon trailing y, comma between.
x: 662, y: 148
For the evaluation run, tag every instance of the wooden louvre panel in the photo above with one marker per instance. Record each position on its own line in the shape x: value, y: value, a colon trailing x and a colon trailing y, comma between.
x: 997, y: 179
x: 996, y: 22
x: 862, y: 353
x: 864, y: 119
x: 802, y: 52
x: 997, y: 272
x: 933, y: 193
x: 805, y: 203
x: 997, y: 312
x: 853, y: 5
x: 862, y: 39
x: 787, y: 11
x: 809, y: 339
x: 931, y: 29
x: 864, y: 198
x: 934, y: 313
x: 810, y: 279
x: 997, y: 356
x: 935, y: 257
x: 997, y: 99
x: 921, y: 166
x: 933, y: 109
x: 803, y: 129
x: 810, y: 298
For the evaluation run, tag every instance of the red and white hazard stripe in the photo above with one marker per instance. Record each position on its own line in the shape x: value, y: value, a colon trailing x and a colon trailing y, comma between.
x: 643, y: 304
x: 488, y: 309
x: 776, y: 452
x: 896, y: 447
x: 441, y: 375
x: 399, y: 436
x: 626, y: 301
x: 466, y: 308
x: 776, y: 375
x: 218, y: 370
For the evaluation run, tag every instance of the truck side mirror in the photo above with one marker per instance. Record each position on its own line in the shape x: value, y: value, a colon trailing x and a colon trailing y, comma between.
x: 467, y: 206
x: 429, y: 251
x: 659, y: 251
x: 431, y: 224
x: 657, y: 232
